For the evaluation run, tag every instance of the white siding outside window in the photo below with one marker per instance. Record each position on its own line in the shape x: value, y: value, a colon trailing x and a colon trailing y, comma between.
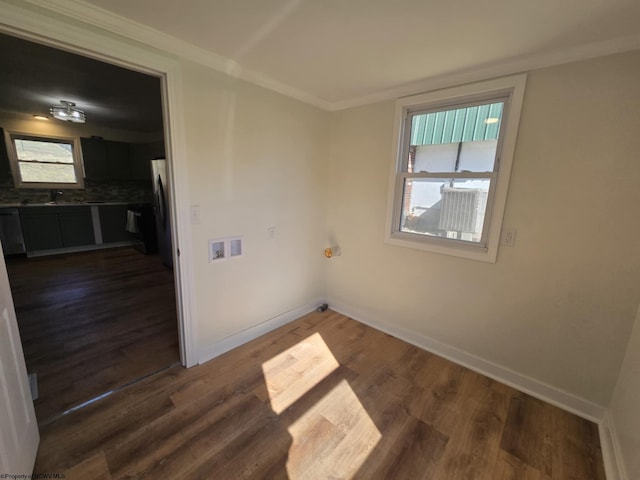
x: 453, y: 151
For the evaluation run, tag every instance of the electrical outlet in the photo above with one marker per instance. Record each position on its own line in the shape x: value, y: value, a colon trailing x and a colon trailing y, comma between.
x: 509, y: 237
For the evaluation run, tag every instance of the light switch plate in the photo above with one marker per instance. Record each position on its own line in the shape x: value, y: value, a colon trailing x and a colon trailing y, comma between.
x: 195, y: 214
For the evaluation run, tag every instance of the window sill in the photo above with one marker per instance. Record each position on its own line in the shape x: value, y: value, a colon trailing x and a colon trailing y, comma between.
x: 483, y: 254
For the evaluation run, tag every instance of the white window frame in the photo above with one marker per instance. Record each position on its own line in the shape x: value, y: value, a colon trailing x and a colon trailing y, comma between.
x: 512, y: 88
x: 15, y: 168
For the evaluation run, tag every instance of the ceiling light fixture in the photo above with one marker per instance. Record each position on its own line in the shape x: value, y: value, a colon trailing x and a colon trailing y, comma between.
x: 491, y: 120
x: 41, y: 117
x: 68, y: 112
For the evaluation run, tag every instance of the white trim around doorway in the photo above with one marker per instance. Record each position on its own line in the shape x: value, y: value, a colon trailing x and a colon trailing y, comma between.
x: 34, y: 24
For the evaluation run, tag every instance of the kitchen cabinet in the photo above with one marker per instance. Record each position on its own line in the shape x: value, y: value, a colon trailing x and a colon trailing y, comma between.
x: 141, y: 161
x: 157, y: 149
x: 94, y: 155
x: 5, y: 168
x: 110, y: 160
x: 113, y: 223
x: 106, y: 159
x: 118, y: 161
x: 40, y: 228
x: 49, y: 228
x: 76, y: 226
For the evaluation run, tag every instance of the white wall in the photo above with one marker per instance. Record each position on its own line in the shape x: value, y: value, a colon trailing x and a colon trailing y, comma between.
x: 559, y: 305
x: 625, y: 406
x: 256, y: 160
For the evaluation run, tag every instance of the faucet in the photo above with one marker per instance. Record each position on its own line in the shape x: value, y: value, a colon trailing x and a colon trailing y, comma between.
x: 54, y: 194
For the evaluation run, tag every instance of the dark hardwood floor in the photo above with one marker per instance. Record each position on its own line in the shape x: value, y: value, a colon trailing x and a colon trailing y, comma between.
x: 92, y: 322
x: 322, y: 397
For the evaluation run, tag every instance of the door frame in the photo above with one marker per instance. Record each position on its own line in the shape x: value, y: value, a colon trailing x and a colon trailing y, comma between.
x: 31, y: 23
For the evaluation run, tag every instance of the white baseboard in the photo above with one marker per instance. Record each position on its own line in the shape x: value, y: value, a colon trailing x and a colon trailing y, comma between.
x: 535, y: 388
x: 611, y: 454
x: 82, y: 248
x: 229, y: 343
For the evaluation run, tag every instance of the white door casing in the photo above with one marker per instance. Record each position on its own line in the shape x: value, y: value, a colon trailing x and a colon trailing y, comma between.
x: 33, y: 20
x: 19, y: 437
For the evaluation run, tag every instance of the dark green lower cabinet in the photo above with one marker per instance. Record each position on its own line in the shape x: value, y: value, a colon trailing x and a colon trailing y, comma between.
x: 49, y: 228
x: 76, y: 226
x: 41, y: 230
x: 113, y: 223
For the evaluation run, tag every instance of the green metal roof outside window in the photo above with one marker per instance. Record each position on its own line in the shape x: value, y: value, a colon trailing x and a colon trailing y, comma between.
x: 468, y: 124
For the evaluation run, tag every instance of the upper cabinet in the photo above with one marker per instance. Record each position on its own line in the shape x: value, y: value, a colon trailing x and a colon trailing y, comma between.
x: 141, y: 156
x: 94, y: 155
x: 105, y: 159
x: 5, y: 169
x: 118, y: 160
x: 109, y: 160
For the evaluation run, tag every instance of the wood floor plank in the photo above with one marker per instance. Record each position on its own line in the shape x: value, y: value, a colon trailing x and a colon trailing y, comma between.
x: 509, y: 467
x: 528, y: 414
x: 94, y: 467
x: 473, y: 448
x: 193, y: 449
x: 415, y: 454
x: 579, y: 447
x: 323, y: 397
x: 136, y: 453
x: 313, y: 438
x: 259, y: 452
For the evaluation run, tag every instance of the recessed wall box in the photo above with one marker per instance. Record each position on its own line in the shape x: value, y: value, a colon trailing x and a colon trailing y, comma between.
x: 217, y: 250
x: 235, y: 247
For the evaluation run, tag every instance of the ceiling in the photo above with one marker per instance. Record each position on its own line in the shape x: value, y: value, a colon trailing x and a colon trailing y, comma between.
x: 339, y: 51
x: 331, y: 53
x: 34, y: 77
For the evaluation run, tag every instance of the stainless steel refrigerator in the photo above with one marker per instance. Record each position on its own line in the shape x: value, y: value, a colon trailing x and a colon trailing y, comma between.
x: 161, y: 206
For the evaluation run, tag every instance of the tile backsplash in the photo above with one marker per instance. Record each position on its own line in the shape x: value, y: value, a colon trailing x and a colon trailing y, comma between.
x: 130, y: 191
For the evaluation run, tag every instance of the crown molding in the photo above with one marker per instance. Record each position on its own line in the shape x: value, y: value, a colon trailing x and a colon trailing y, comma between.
x: 103, y: 19
x: 498, y: 69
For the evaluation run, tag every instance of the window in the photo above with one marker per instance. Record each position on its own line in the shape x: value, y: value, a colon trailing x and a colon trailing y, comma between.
x: 450, y: 178
x: 44, y: 162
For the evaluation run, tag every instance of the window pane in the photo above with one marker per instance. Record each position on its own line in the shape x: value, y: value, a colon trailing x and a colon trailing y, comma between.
x: 477, y: 156
x: 440, y: 207
x: 47, y: 172
x: 455, y: 140
x: 43, y: 151
x: 436, y: 158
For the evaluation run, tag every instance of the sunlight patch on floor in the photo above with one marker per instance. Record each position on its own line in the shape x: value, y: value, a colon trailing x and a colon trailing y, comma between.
x: 294, y: 372
x: 332, y: 438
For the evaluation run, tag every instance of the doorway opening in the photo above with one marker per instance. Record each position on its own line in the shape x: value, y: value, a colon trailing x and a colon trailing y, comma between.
x: 94, y: 289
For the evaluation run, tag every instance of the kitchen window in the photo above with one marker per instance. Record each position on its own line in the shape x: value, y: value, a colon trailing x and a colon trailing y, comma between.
x: 451, y: 172
x: 43, y: 161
